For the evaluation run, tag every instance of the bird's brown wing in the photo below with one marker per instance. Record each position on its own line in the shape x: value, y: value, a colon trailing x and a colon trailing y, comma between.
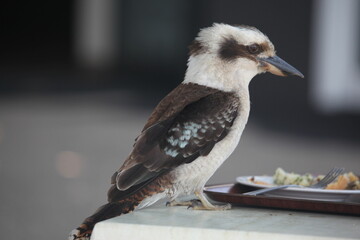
x: 185, y: 127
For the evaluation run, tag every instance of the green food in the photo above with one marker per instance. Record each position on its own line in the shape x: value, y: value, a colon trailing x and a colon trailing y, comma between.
x: 284, y: 178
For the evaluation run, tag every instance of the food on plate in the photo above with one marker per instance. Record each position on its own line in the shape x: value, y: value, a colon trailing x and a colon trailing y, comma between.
x: 253, y: 180
x: 348, y: 181
x: 284, y: 178
x: 345, y: 181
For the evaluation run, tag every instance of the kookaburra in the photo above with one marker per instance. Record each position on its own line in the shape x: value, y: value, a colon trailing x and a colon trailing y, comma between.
x: 195, y: 128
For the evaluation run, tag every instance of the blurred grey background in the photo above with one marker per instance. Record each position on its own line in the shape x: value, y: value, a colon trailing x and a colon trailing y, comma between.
x: 78, y: 80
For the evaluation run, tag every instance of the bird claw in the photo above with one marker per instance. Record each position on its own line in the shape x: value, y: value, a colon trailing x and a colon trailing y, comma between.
x: 185, y: 203
x: 195, y: 203
x: 211, y: 207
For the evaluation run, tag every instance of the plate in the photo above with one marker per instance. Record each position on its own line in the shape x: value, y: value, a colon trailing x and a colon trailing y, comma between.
x: 301, y: 193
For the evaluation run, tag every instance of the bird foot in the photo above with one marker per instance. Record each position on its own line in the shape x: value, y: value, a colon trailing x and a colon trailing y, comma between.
x: 199, y: 204
x: 206, y: 205
x: 210, y: 207
x: 184, y: 203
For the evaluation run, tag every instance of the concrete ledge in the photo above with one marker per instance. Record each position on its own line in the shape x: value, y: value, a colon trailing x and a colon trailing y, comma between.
x: 239, y: 223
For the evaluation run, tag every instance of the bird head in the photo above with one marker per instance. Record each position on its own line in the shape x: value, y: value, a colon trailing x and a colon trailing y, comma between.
x: 225, y: 56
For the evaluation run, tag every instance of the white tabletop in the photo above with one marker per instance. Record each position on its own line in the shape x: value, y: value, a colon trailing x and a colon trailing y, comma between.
x: 162, y: 222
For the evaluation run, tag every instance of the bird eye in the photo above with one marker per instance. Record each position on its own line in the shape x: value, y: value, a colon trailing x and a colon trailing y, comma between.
x: 253, y: 48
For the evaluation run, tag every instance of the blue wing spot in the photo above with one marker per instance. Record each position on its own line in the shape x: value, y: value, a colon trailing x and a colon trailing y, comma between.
x: 171, y: 152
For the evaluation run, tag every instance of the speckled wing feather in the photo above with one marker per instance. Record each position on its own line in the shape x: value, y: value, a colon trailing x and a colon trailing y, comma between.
x: 185, y: 125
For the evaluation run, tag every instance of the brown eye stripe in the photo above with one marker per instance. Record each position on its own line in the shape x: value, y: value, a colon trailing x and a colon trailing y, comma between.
x: 230, y: 49
x: 265, y: 47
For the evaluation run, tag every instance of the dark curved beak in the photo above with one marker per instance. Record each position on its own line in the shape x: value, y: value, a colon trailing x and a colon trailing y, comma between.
x: 277, y: 66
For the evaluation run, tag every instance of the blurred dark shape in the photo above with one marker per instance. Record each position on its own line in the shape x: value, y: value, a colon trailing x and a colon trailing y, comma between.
x: 140, y: 45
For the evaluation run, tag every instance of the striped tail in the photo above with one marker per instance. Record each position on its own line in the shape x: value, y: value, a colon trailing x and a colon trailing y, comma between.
x: 107, y: 211
x: 121, y: 202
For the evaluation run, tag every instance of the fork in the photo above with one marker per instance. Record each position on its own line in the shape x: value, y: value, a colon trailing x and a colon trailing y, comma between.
x: 328, y: 178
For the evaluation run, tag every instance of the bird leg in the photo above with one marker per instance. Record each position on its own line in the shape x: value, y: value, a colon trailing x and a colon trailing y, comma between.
x: 206, y: 205
x: 189, y: 203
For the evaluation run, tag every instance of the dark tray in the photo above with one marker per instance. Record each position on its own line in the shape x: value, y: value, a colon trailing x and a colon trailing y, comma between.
x: 232, y: 193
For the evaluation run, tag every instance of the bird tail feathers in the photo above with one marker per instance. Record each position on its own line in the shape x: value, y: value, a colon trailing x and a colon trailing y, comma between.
x: 122, y: 202
x: 107, y: 211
